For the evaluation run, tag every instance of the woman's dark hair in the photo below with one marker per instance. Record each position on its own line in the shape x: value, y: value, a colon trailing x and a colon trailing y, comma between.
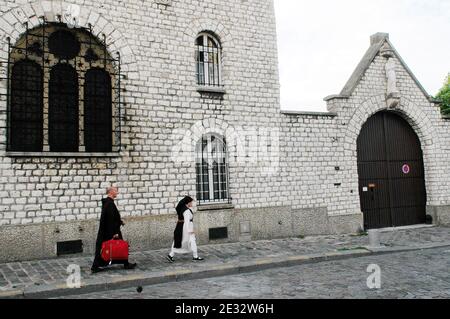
x: 188, y: 199
x: 181, y: 207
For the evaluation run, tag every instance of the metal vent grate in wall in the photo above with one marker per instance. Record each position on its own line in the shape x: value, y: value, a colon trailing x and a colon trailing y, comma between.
x: 218, y: 233
x: 69, y: 247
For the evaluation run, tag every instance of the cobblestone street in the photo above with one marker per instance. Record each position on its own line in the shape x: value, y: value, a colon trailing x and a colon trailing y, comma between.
x: 46, y: 272
x: 211, y: 121
x: 39, y: 277
x: 415, y: 274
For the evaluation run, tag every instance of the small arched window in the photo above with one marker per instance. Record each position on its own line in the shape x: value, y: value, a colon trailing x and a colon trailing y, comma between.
x: 208, y: 58
x: 26, y: 107
x: 97, y: 111
x: 212, y: 169
x: 63, y: 109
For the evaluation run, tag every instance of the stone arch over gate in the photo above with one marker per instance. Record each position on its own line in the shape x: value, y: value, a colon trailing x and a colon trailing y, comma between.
x: 416, y: 118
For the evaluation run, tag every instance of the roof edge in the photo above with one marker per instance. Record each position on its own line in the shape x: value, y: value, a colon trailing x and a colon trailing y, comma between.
x: 411, y: 74
x: 377, y: 40
x: 307, y: 113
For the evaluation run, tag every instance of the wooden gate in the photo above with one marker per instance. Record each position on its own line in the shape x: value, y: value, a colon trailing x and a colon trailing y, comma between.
x: 391, y: 173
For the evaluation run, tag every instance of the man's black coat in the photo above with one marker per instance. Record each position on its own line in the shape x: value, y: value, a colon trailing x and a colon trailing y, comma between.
x: 110, y: 222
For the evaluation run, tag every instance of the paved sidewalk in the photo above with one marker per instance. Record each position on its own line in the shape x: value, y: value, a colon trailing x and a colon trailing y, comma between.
x: 47, y: 278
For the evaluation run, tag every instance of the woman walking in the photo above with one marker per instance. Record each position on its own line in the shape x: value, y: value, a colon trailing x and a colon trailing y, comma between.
x: 184, y: 235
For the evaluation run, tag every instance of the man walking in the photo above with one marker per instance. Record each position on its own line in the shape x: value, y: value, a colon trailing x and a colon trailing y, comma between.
x: 110, y: 223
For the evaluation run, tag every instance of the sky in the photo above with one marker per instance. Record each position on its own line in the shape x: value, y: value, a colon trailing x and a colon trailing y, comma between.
x: 320, y: 43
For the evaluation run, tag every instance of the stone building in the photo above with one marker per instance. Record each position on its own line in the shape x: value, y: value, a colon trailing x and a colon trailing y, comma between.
x: 165, y: 98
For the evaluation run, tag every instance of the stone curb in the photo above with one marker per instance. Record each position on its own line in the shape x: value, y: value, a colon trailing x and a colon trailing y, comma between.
x: 146, y: 279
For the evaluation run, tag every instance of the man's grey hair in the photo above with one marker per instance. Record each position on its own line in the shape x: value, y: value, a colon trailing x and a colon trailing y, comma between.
x: 110, y: 189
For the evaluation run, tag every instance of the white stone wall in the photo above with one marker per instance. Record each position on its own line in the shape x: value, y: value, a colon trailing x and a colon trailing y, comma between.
x: 156, y: 43
x: 309, y: 152
x: 317, y: 164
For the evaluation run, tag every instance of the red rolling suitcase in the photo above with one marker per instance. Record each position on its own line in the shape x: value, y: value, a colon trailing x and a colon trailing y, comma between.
x: 113, y: 250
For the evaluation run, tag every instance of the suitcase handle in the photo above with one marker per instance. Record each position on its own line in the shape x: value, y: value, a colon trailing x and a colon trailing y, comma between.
x: 110, y: 255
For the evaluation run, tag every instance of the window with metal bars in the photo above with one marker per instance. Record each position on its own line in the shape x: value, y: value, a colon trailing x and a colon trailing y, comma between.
x: 26, y: 106
x: 98, y: 112
x: 63, y: 109
x: 208, y: 58
x: 63, y: 92
x: 212, y: 170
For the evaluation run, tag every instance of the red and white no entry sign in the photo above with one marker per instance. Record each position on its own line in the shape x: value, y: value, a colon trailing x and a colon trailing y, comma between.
x: 406, y: 169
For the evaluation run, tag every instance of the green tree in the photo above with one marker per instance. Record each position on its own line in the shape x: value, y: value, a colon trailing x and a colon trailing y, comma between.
x: 444, y: 96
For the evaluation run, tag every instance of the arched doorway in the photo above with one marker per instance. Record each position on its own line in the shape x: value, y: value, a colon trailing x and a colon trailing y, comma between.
x: 391, y: 173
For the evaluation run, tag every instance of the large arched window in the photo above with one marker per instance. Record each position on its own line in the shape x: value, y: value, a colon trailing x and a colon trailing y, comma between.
x: 212, y: 169
x: 63, y: 109
x: 208, y: 58
x: 64, y: 92
x: 98, y: 111
x: 26, y: 107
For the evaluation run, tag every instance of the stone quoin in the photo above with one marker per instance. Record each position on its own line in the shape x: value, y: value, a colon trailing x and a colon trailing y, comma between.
x: 188, y: 93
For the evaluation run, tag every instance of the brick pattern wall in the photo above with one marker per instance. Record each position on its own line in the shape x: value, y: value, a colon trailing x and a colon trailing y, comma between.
x: 317, y: 166
x: 157, y: 46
